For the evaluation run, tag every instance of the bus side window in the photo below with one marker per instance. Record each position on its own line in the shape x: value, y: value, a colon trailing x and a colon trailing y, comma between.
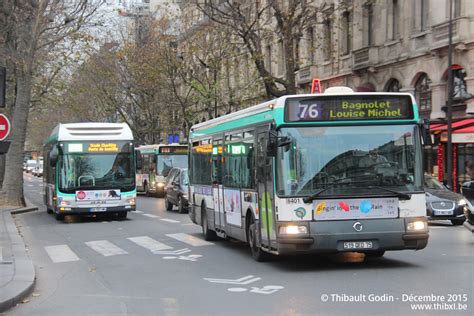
x: 232, y: 160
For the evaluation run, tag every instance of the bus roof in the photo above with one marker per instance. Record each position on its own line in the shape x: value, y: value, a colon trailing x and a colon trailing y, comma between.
x: 274, y: 111
x: 91, y: 131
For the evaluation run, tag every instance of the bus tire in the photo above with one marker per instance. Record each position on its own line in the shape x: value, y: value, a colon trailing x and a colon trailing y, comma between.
x: 208, y: 233
x: 122, y: 215
x: 168, y: 204
x: 257, y: 253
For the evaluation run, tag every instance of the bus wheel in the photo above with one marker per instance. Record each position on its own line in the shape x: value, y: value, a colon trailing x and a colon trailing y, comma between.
x: 168, y: 205
x: 257, y: 253
x: 208, y: 234
x: 59, y: 217
x: 122, y: 215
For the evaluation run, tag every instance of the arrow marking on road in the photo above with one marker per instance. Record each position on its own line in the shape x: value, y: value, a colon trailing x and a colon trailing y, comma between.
x: 244, y: 280
x: 172, y: 252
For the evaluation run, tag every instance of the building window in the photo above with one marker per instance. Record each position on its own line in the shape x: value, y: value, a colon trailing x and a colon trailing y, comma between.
x: 424, y: 15
x: 346, y: 29
x: 310, y: 45
x: 393, y: 86
x: 327, y: 39
x: 457, y: 8
x: 268, y: 58
x: 393, y: 18
x: 368, y: 24
x: 423, y: 92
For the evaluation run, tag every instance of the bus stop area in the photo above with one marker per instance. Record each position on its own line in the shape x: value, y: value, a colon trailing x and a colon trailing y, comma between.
x: 17, y: 273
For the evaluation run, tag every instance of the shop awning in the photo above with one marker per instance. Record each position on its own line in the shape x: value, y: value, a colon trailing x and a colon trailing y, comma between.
x: 456, y: 126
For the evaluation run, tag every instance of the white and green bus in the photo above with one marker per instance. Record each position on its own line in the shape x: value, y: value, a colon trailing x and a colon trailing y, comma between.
x: 89, y: 169
x: 334, y: 172
x: 155, y: 163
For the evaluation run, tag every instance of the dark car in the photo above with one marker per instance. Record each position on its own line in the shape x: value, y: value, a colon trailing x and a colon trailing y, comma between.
x: 443, y: 204
x: 467, y: 189
x: 176, y: 189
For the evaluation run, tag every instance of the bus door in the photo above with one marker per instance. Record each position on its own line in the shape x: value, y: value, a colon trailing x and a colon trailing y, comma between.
x: 265, y: 189
x: 217, y: 187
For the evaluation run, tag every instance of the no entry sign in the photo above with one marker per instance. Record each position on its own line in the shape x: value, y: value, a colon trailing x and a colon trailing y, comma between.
x: 5, y: 127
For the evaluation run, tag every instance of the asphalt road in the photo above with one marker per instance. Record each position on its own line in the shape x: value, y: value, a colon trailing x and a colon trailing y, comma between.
x: 156, y: 263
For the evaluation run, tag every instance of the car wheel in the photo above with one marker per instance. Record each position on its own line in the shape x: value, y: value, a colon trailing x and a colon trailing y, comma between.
x: 181, y: 208
x: 458, y: 222
x: 257, y: 253
x: 208, y: 233
x: 168, y: 205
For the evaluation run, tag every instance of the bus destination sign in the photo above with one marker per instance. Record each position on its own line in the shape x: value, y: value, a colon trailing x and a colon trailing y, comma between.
x: 173, y: 150
x: 349, y: 108
x: 96, y: 147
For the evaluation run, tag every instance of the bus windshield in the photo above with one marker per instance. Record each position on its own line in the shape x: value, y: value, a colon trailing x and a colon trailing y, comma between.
x: 166, y: 162
x: 96, y: 171
x: 349, y: 160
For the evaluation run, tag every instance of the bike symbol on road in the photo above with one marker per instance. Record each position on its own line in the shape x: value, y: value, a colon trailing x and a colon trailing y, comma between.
x: 177, y: 254
x: 267, y: 289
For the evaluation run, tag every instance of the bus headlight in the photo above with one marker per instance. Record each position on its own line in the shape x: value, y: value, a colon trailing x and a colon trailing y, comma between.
x: 293, y: 230
x: 462, y: 202
x: 416, y: 226
x: 160, y: 184
x: 131, y: 201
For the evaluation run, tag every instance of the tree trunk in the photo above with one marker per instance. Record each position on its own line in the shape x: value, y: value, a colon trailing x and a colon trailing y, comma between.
x: 12, y: 191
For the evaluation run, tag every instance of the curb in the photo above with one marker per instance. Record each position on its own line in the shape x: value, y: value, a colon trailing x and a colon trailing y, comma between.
x: 23, y: 280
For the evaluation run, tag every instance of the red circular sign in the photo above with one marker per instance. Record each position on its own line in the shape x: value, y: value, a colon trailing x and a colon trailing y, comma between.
x: 4, y: 127
x: 81, y: 195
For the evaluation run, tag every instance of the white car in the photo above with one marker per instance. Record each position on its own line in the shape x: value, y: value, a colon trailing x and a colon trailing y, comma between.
x: 30, y: 165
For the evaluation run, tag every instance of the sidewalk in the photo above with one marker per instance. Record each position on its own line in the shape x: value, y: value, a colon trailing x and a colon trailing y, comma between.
x: 17, y: 273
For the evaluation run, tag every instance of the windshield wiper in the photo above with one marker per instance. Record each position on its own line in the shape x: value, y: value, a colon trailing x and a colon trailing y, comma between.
x: 313, y: 196
x: 401, y: 195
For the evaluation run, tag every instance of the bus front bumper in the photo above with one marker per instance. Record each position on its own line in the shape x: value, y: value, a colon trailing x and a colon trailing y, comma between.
x: 95, y: 210
x: 334, y: 236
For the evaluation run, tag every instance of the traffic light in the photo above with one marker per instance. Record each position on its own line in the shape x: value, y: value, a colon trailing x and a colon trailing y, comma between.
x: 3, y: 83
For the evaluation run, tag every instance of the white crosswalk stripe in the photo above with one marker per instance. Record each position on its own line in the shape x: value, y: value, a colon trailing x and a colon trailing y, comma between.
x: 169, y: 220
x: 149, y: 243
x: 150, y: 215
x: 106, y: 248
x: 138, y: 212
x: 190, y: 240
x: 61, y: 253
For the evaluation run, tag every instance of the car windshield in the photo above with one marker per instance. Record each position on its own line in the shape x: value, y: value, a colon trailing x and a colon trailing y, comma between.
x: 346, y: 160
x: 96, y: 171
x: 432, y: 183
x: 166, y: 162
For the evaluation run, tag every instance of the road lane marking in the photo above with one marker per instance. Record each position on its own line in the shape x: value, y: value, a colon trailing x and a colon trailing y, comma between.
x: 190, y: 240
x: 106, y: 248
x: 138, y: 212
x: 169, y: 220
x: 149, y: 243
x: 61, y: 253
x: 150, y: 215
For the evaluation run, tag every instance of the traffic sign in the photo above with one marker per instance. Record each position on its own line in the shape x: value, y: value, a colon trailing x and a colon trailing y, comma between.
x: 5, y: 127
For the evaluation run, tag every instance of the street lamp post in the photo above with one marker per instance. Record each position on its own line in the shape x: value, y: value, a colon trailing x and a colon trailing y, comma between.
x: 449, y: 112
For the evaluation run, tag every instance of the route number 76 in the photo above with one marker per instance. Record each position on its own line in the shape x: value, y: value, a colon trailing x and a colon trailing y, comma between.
x: 308, y: 111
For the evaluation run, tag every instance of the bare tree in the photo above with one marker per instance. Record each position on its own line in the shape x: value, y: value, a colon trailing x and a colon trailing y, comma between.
x: 257, y: 23
x: 29, y: 29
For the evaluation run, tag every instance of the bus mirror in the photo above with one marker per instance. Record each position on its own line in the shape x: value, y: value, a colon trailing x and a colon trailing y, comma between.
x: 53, y: 156
x: 285, y: 141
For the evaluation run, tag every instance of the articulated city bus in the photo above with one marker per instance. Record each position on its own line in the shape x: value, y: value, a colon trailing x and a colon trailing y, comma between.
x: 334, y: 172
x: 89, y: 168
x: 156, y: 162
